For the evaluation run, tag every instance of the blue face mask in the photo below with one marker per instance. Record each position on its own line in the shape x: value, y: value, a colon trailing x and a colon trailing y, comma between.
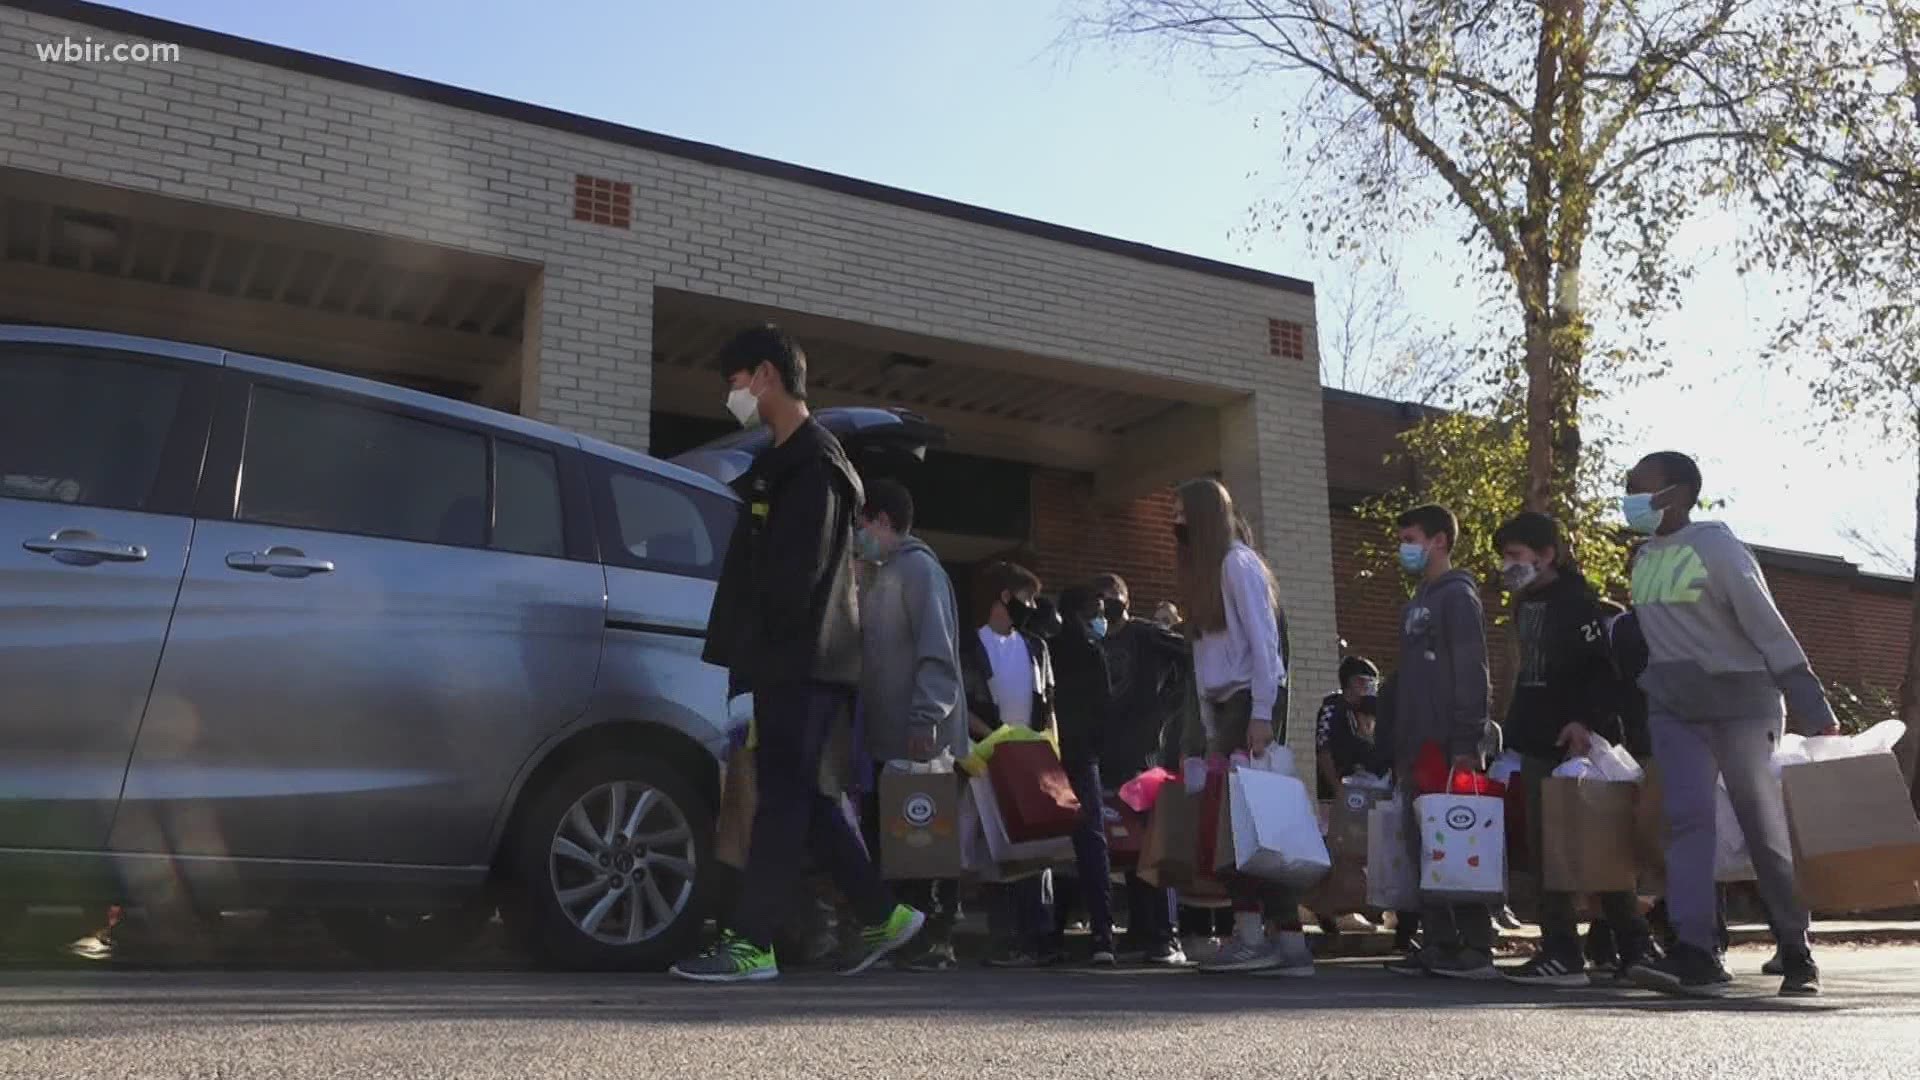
x: 1413, y: 558
x: 1098, y: 624
x: 1642, y: 516
x: 868, y: 546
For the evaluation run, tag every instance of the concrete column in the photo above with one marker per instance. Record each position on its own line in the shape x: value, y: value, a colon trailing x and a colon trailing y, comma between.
x: 1273, y: 459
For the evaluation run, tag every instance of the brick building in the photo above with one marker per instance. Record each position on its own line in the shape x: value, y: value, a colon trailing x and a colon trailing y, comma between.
x: 271, y: 201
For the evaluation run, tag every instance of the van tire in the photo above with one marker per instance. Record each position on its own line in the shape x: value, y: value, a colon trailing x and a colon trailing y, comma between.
x: 551, y: 928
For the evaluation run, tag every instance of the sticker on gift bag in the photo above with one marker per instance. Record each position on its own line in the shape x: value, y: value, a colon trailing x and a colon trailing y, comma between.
x: 1464, y: 848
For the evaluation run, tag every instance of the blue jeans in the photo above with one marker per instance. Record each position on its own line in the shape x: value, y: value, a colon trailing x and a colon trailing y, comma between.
x: 1091, y: 861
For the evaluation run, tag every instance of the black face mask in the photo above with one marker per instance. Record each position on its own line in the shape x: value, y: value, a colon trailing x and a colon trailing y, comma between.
x: 1181, y: 536
x: 1019, y: 613
x: 1115, y: 609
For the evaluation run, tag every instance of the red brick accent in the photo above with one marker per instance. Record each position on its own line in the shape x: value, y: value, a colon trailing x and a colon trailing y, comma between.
x: 602, y: 201
x: 1075, y: 538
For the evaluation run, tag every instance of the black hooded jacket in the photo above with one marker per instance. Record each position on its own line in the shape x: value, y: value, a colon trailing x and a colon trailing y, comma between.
x: 1565, y: 674
x: 1151, y: 668
x: 1083, y: 692
x: 785, y: 610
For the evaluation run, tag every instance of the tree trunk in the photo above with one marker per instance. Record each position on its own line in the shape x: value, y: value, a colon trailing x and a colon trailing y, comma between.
x: 1540, y: 411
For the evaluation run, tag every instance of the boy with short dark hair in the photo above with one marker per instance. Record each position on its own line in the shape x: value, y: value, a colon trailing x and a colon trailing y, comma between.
x: 1441, y: 698
x: 910, y: 681
x: 1719, y: 659
x: 1007, y: 673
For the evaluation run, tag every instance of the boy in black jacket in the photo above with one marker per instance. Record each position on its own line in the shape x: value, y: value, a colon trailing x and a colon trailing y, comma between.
x: 1007, y: 675
x: 1565, y: 694
x: 786, y: 627
x: 1083, y: 698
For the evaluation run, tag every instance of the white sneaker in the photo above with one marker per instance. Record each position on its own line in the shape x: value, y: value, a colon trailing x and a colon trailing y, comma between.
x: 1296, y: 957
x: 1240, y: 956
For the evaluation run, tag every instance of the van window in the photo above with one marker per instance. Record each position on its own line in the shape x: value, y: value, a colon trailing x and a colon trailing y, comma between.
x: 314, y: 462
x: 84, y: 428
x: 526, y: 491
x: 661, y: 525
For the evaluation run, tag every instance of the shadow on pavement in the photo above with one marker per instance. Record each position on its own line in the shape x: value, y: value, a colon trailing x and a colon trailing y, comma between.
x: 48, y: 1005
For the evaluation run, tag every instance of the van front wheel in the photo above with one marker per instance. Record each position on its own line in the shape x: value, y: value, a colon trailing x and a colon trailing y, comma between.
x: 608, y: 865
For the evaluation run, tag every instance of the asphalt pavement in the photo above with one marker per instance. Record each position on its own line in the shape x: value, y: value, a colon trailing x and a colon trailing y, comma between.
x: 1352, y: 1021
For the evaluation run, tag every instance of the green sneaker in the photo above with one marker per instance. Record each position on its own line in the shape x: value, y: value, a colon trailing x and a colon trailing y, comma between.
x: 901, y: 927
x: 732, y: 959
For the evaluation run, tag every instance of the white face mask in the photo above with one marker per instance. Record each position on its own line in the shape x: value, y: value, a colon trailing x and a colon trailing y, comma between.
x: 744, y: 404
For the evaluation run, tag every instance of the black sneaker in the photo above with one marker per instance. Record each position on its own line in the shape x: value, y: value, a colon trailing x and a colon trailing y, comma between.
x: 1776, y: 965
x: 1800, y: 976
x: 1406, y: 943
x: 1012, y: 959
x: 1413, y: 965
x: 930, y: 959
x: 1547, y: 971
x: 1167, y: 954
x: 1470, y: 965
x: 1622, y: 970
x: 1686, y: 972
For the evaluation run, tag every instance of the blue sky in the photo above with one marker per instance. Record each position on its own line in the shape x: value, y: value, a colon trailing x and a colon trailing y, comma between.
x: 979, y: 102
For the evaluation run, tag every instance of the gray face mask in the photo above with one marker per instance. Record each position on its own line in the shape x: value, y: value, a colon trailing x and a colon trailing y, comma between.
x: 1517, y: 576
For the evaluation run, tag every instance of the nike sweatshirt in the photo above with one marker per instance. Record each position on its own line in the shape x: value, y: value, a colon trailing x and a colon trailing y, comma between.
x: 1717, y: 646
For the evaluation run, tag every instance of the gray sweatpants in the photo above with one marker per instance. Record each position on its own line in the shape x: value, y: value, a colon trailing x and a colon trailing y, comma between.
x: 1693, y: 754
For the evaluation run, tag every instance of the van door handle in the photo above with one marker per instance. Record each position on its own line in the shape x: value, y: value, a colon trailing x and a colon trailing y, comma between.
x: 78, y: 547
x: 282, y: 562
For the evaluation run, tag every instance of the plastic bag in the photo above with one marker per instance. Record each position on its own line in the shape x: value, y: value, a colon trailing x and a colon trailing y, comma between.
x: 1505, y: 767
x: 1141, y: 792
x: 1614, y: 763
x: 1577, y: 768
x: 942, y: 764
x: 1366, y: 781
x: 1878, y: 739
x: 976, y: 763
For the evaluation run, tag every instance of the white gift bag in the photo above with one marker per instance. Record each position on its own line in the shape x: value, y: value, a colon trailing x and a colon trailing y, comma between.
x: 1276, y: 828
x: 1463, y: 845
x: 1392, y: 884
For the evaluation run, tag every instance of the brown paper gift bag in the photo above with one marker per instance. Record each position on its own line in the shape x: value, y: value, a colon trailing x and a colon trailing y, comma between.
x: 1344, y: 889
x: 733, y: 831
x: 1650, y: 833
x: 919, y: 825
x: 1856, y: 845
x: 1167, y: 857
x: 1586, y: 835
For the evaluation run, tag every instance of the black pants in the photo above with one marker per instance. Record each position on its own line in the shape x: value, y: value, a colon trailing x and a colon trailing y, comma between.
x: 1151, y: 913
x: 794, y: 818
x: 938, y: 897
x: 1091, y: 860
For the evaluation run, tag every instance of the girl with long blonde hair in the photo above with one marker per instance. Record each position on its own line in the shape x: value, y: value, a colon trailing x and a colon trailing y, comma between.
x: 1232, y: 606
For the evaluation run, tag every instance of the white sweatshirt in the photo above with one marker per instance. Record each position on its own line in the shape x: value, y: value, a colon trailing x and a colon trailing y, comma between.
x: 1246, y: 655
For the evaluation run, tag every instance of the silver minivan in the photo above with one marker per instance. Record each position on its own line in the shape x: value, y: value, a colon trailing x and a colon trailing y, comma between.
x: 273, y: 637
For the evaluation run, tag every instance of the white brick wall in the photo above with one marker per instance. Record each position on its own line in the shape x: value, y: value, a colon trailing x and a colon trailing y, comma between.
x: 241, y: 134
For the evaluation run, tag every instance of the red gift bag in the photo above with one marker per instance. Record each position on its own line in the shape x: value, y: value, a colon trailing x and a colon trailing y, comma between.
x: 1036, y: 800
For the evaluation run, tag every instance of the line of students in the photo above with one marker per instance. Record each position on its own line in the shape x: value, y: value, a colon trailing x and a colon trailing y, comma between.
x: 795, y: 631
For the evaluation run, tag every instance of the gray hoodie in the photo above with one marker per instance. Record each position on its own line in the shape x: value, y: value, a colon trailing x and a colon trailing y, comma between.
x: 1441, y: 686
x: 910, y: 640
x: 1716, y: 644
